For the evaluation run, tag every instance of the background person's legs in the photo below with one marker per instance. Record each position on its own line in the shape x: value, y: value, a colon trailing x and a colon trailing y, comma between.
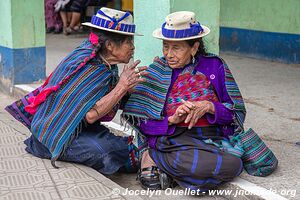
x: 77, y: 7
x: 64, y: 19
x: 66, y: 15
x: 75, y: 21
x: 69, y: 17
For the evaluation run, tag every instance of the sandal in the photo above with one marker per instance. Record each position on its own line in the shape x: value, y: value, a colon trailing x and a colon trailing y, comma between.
x: 154, y: 180
x: 78, y: 29
x: 65, y: 31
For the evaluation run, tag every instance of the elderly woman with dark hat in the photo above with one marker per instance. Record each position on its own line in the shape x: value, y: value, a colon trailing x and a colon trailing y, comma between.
x: 83, y: 91
x: 188, y: 103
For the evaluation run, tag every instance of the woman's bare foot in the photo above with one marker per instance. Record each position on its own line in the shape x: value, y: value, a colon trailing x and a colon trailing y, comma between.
x: 150, y: 176
x: 146, y: 160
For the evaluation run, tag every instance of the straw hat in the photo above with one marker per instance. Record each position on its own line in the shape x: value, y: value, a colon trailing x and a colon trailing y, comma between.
x: 181, y: 25
x: 113, y: 20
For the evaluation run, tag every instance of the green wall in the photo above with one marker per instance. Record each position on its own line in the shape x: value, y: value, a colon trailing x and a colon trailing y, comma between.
x: 264, y: 15
x: 149, y: 15
x: 5, y: 23
x: 22, y: 23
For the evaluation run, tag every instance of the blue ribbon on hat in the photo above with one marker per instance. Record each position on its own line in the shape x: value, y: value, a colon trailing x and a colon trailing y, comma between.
x: 113, y: 22
x: 194, y: 30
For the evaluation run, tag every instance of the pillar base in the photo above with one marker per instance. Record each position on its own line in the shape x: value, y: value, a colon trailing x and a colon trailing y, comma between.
x: 22, y: 66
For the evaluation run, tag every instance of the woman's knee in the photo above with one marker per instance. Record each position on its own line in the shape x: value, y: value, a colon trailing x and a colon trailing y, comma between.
x: 36, y: 148
x: 94, y: 151
x: 232, y: 166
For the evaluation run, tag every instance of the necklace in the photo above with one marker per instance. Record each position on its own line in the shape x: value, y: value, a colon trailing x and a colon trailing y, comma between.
x: 107, y: 63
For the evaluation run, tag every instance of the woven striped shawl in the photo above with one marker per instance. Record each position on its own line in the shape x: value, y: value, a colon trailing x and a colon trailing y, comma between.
x: 147, y: 102
x: 58, y: 120
x: 236, y: 97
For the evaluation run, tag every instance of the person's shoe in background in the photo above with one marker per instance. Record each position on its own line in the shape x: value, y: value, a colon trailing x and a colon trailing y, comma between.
x: 65, y: 31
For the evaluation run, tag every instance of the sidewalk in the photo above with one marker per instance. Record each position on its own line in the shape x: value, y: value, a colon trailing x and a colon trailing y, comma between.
x: 271, y: 91
x: 23, y: 176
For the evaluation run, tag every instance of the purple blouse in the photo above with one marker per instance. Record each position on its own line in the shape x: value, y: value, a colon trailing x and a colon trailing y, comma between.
x: 214, y: 71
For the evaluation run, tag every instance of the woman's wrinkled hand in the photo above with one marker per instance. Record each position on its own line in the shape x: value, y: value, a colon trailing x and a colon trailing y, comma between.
x: 200, y: 109
x: 131, y: 76
x: 181, y: 112
x: 175, y: 119
x: 185, y: 108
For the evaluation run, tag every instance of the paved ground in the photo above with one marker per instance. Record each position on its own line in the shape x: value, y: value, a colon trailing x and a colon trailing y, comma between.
x: 23, y: 176
x: 271, y: 91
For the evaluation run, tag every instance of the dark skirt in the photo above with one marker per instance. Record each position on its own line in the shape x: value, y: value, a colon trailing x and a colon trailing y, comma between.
x: 95, y: 147
x: 191, y: 162
x: 76, y: 6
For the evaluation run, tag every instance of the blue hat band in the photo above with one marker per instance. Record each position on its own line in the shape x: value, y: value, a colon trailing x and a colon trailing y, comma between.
x: 113, y: 25
x: 194, y: 30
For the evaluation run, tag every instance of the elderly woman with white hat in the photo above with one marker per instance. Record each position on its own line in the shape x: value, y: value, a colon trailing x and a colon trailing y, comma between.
x: 188, y: 105
x: 83, y: 91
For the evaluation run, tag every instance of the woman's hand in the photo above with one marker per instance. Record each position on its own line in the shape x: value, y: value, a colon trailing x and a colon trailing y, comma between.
x: 181, y: 113
x: 130, y: 76
x: 128, y: 79
x: 175, y: 119
x: 201, y: 108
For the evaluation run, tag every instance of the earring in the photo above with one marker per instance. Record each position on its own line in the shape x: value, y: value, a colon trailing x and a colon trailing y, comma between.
x: 193, y: 60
